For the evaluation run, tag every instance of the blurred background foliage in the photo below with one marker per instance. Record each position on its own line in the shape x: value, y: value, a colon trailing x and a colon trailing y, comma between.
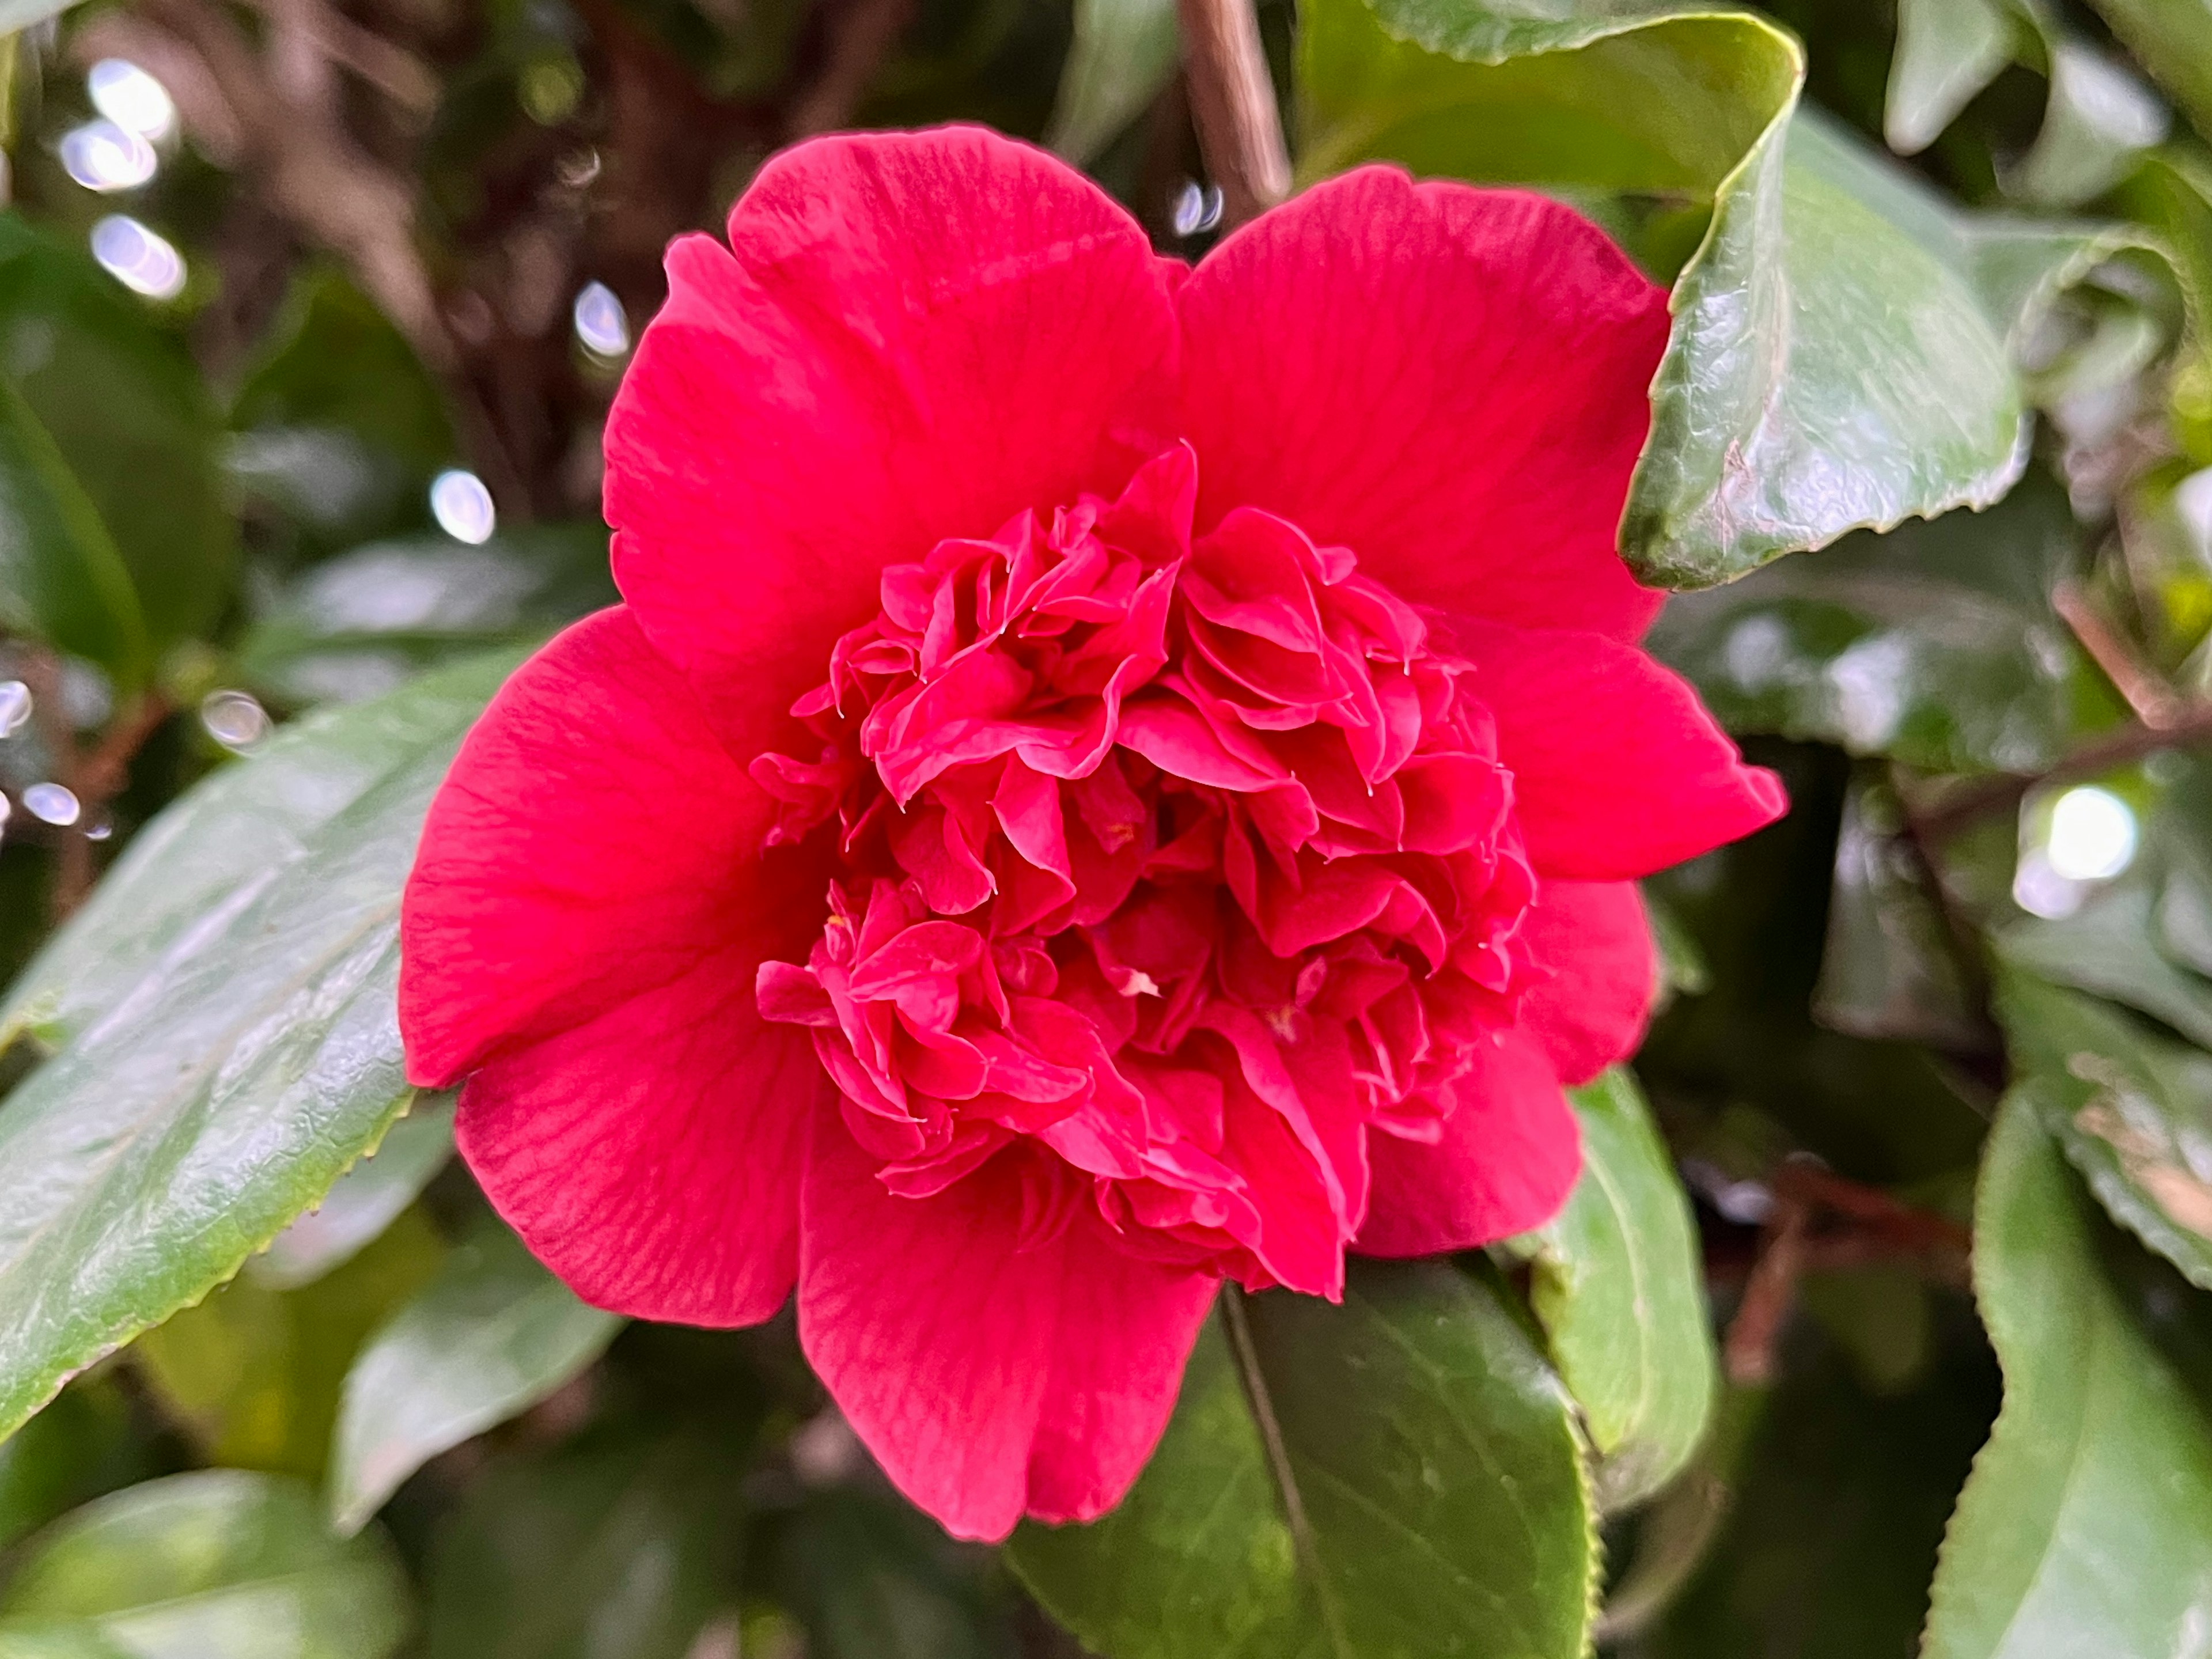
x: 310, y: 313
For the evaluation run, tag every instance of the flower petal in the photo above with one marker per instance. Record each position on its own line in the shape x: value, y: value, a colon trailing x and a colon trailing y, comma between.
x: 1509, y: 1155
x: 911, y: 336
x: 1593, y: 938
x: 1126, y: 1328
x: 932, y: 1327
x: 1450, y: 381
x: 1617, y: 770
x: 582, y: 930
x: 989, y: 1371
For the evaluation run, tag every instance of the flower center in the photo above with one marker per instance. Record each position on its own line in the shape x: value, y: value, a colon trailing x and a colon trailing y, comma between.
x: 1170, y: 866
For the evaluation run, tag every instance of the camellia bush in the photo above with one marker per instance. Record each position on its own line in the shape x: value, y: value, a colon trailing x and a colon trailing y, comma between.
x: 954, y: 829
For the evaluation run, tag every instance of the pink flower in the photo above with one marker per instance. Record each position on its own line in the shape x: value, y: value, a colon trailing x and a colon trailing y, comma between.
x: 1108, y: 776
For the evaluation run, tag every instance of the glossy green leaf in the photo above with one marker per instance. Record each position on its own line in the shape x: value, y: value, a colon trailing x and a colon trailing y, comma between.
x: 222, y: 1562
x: 1832, y: 367
x: 491, y: 1336
x: 359, y: 625
x: 2109, y: 946
x: 1398, y: 1476
x: 1947, y: 51
x: 616, y: 1550
x: 1837, y: 359
x: 2172, y: 39
x: 252, y: 1375
x: 61, y: 579
x: 2132, y: 1110
x: 2087, y: 1525
x: 1935, y: 644
x: 365, y: 1200
x: 1123, y: 53
x: 1619, y: 1288
x: 2098, y: 120
x: 232, y: 1046
x: 219, y: 849
x: 131, y: 414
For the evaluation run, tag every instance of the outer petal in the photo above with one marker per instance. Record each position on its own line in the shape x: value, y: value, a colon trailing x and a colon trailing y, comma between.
x: 580, y: 931
x: 1617, y: 770
x: 1593, y: 938
x: 1450, y: 381
x: 911, y: 336
x: 1509, y: 1156
x: 978, y: 1370
x: 1126, y: 1329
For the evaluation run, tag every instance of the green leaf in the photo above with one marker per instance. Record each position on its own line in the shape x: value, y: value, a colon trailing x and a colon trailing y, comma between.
x: 219, y: 1562
x: 228, y: 1003
x: 1123, y: 53
x: 61, y: 579
x: 1619, y: 1285
x: 359, y: 625
x: 1835, y: 361
x: 1947, y: 51
x: 2132, y: 1111
x: 367, y: 1198
x: 131, y: 416
x: 1400, y: 1475
x: 2099, y: 118
x: 609, y: 1550
x: 252, y: 1375
x: 493, y: 1335
x: 2109, y: 947
x: 2087, y: 1521
x: 2172, y: 39
x: 1935, y: 644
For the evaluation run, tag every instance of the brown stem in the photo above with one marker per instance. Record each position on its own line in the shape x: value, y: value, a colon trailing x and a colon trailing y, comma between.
x: 1232, y: 100
x: 1754, y: 1336
x: 2190, y: 728
x: 95, y: 777
x: 2156, y: 704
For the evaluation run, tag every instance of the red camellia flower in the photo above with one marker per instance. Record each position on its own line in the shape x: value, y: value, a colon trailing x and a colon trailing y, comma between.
x: 1108, y: 776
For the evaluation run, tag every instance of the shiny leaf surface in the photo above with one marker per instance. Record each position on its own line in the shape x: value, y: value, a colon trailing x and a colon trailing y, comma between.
x: 232, y: 1053
x: 1619, y: 1287
x: 2087, y: 1525
x: 219, y: 1562
x: 491, y: 1336
x: 1400, y: 1475
x: 2133, y: 1111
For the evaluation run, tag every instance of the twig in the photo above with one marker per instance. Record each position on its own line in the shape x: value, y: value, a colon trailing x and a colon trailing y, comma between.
x: 2190, y: 728
x: 289, y: 130
x: 860, y: 36
x: 2156, y: 704
x: 1754, y: 1335
x: 1232, y: 100
x: 93, y: 777
x: 393, y: 70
